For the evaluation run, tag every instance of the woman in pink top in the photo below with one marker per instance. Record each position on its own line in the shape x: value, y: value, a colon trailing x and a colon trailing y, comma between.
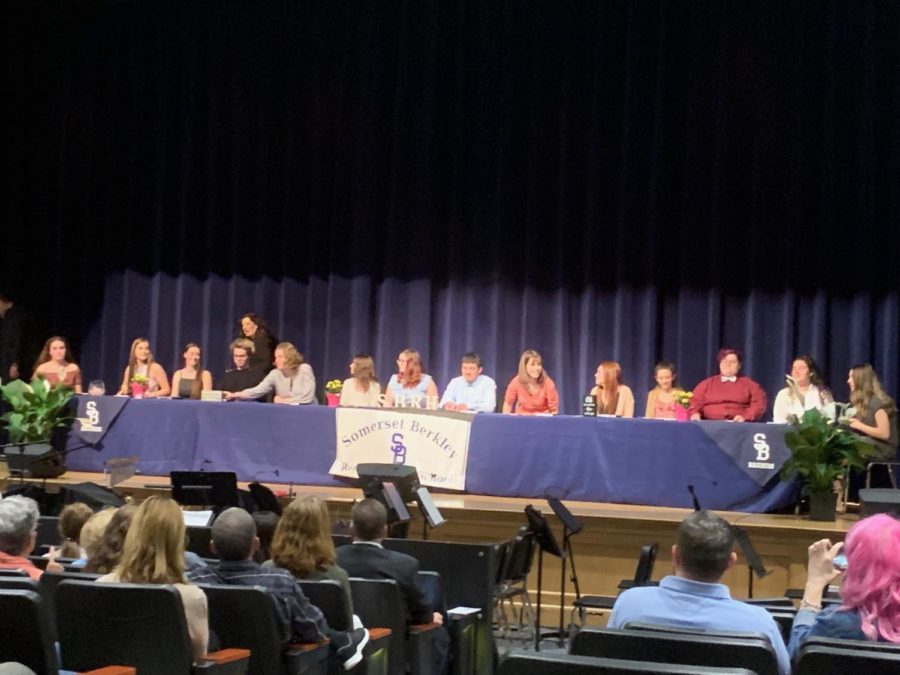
x: 531, y: 392
x: 55, y: 364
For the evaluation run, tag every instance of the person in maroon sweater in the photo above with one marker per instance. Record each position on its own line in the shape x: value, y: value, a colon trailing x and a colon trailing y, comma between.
x: 728, y: 395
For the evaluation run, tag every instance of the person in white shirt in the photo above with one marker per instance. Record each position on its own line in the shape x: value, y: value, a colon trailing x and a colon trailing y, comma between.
x: 472, y: 390
x: 803, y: 392
x: 362, y: 389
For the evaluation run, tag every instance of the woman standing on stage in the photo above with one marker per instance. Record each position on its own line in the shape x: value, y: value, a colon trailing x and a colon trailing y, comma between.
x: 613, y: 397
x: 140, y: 362
x: 409, y: 384
x: 531, y: 391
x: 55, y: 364
x: 661, y: 399
x: 189, y: 381
x: 362, y: 389
x: 876, y: 412
x: 253, y: 326
x: 292, y: 380
x: 805, y: 391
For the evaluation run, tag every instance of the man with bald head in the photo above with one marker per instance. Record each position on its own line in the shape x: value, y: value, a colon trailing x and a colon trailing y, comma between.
x: 234, y: 540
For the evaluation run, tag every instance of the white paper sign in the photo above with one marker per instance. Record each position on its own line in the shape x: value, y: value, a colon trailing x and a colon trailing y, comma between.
x: 436, y: 443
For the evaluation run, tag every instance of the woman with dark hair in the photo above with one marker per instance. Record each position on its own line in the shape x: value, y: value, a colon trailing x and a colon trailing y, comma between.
x: 71, y: 521
x: 191, y: 380
x: 109, y: 548
x: 661, y: 399
x: 266, y: 524
x: 531, y: 391
x: 870, y: 590
x: 303, y: 545
x: 141, y: 363
x: 728, y: 395
x: 56, y: 365
x: 613, y: 397
x: 292, y: 381
x: 875, y: 413
x: 254, y: 327
x: 362, y: 388
x: 409, y: 385
x: 804, y: 391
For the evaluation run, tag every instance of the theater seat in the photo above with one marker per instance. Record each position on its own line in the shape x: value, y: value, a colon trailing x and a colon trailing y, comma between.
x: 531, y: 663
x: 817, y: 659
x: 139, y: 625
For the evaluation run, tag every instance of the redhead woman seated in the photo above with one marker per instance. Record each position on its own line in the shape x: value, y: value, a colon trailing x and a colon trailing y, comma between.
x: 613, y: 397
x: 409, y: 386
x: 531, y: 392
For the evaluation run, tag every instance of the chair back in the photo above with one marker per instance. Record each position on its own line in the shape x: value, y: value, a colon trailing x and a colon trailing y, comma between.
x: 646, y: 561
x: 532, y: 663
x: 47, y: 531
x: 378, y: 602
x: 719, y: 649
x: 138, y: 625
x: 329, y: 597
x: 198, y: 541
x: 13, y: 572
x: 25, y: 638
x: 47, y: 587
x: 244, y: 616
x: 518, y: 562
x: 816, y: 659
x: 19, y: 584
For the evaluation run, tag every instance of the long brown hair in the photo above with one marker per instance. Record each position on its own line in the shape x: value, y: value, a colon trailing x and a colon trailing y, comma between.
x: 109, y: 549
x: 867, y: 386
x: 71, y: 520
x: 197, y: 384
x: 524, y: 377
x: 44, y: 356
x: 154, y: 546
x: 302, y: 542
x: 364, y: 373
x: 410, y: 376
x: 132, y: 359
x: 612, y: 373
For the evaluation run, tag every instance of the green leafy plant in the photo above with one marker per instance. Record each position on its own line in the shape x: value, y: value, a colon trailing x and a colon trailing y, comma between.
x: 36, y: 410
x: 822, y: 452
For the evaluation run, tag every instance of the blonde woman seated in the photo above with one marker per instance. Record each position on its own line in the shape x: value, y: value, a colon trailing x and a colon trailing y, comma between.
x: 361, y: 389
x: 154, y: 554
x: 140, y: 362
x: 192, y: 379
x: 56, y: 365
x: 302, y: 545
x: 661, y: 399
x: 531, y: 391
x: 613, y: 397
x: 292, y: 380
x: 803, y: 392
x: 409, y: 385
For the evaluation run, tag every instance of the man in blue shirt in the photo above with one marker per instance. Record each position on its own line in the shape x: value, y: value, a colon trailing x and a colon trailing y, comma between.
x: 471, y: 390
x: 694, y: 597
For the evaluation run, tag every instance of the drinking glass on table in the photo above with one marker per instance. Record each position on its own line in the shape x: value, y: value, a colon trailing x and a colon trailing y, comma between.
x: 96, y: 388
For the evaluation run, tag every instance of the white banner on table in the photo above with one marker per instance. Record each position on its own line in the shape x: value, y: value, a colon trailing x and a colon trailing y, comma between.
x: 436, y: 443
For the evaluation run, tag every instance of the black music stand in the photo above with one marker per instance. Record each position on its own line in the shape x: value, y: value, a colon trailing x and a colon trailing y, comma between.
x: 395, y: 486
x: 538, y: 526
x: 217, y: 489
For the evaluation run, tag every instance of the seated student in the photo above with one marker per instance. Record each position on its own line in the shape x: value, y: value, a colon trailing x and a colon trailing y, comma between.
x: 472, y: 390
x: 18, y: 535
x: 870, y: 590
x: 140, y: 362
x: 361, y: 389
x: 234, y: 540
x: 695, y: 597
x: 292, y: 381
x: 55, y: 364
x: 368, y: 559
x: 728, y: 395
x: 92, y: 534
x: 243, y: 375
x: 409, y: 386
x: 71, y: 520
x: 154, y: 554
x: 531, y: 392
x: 190, y: 381
x: 876, y: 413
x: 266, y: 524
x: 804, y: 391
x: 661, y: 399
x: 108, y: 550
x: 613, y: 397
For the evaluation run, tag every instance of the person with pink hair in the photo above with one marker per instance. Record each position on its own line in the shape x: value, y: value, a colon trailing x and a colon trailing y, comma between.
x: 870, y: 591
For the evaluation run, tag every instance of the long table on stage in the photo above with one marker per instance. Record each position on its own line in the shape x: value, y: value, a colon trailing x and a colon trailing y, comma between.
x: 731, y: 466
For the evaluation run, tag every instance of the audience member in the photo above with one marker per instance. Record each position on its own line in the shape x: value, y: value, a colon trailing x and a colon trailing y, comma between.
x: 234, y: 540
x: 661, y: 399
x: 18, y: 534
x: 190, y: 381
x: 266, y: 524
x: 154, y: 554
x: 870, y: 590
x: 362, y: 388
x: 92, y: 534
x: 728, y: 395
x: 472, y: 390
x: 531, y: 391
x: 613, y: 397
x: 141, y: 363
x: 108, y: 550
x: 409, y: 386
x: 367, y: 558
x: 71, y: 519
x: 694, y: 596
x: 253, y: 327
x: 243, y: 375
x: 56, y: 365
x: 292, y: 381
x: 804, y: 391
x: 303, y: 545
x: 875, y: 414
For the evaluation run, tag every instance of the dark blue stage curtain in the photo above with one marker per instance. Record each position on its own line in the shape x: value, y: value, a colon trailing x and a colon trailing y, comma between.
x: 595, y: 180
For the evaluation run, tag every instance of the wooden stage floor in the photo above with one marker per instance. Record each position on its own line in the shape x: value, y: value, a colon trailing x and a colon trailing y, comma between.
x: 605, y: 551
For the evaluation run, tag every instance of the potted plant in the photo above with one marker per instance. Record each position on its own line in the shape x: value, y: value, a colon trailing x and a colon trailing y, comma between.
x: 37, y: 412
x: 821, y: 453
x: 333, y: 392
x: 682, y: 404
